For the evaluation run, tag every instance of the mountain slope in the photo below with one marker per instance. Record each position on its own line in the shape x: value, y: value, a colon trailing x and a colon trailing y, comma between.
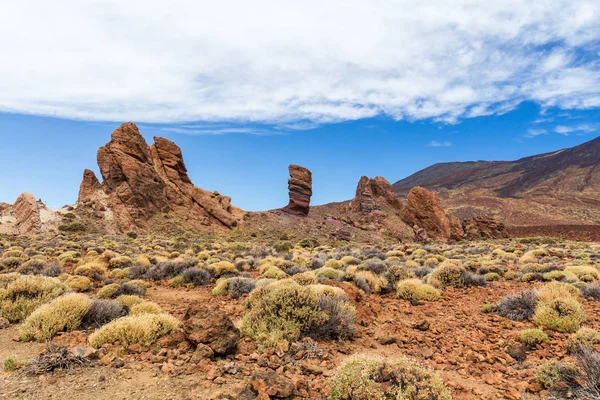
x: 561, y: 187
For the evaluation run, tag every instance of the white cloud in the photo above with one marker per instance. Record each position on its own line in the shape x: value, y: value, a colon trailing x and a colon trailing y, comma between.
x: 435, y: 143
x: 289, y: 62
x: 534, y: 132
x: 565, y: 130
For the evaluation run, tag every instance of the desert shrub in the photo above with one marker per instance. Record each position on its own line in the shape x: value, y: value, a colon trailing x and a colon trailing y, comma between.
x: 64, y: 313
x: 93, y: 270
x: 553, y: 276
x: 375, y: 282
x: 532, y: 337
x: 288, y: 311
x: 128, y: 300
x: 349, y: 260
x: 240, y: 286
x: 16, y: 253
x: 132, y: 235
x: 108, y: 291
x: 591, y: 291
x: 584, y: 273
x: 53, y: 270
x: 273, y: 272
x: 282, y: 246
x: 26, y: 293
x: 341, y: 317
x: 308, y: 243
x: 145, y: 307
x: 374, y: 265
x: 415, y: 290
x: 560, y: 314
x: 335, y: 264
x: 72, y: 227
x: 11, y: 364
x: 221, y: 268
x: 553, y: 290
x: 102, y: 312
x: 79, y: 283
x: 32, y: 267
x: 397, y: 273
x: 421, y: 272
x: 305, y: 278
x: 143, y: 329
x: 120, y: 262
x: 221, y: 287
x: 518, y: 307
x: 472, y: 279
x: 491, y: 276
x: 488, y: 308
x: 532, y: 277
x: 581, y: 382
x: 168, y: 269
x: 552, y: 373
x: 584, y: 337
x: 448, y: 274
x: 176, y: 281
x: 329, y: 273
x: 196, y: 276
x: 10, y: 263
x: 369, y: 377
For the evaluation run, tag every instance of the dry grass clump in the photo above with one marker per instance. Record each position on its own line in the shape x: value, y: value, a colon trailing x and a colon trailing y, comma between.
x: 102, y: 312
x: 62, y: 314
x: 11, y: 364
x: 32, y: 267
x: 20, y: 295
x: 286, y: 310
x: 584, y: 273
x: 143, y: 329
x: 584, y: 337
x: 113, y: 290
x: 329, y: 273
x: 518, y: 307
x: 221, y: 268
x: 448, y: 274
x: 415, y: 290
x: 145, y: 307
x: 79, y: 283
x: 560, y: 314
x: 56, y: 357
x: 129, y: 300
x: 120, y: 262
x: 93, y: 270
x: 196, y: 276
x: 369, y: 377
x: 532, y: 337
x: 370, y: 282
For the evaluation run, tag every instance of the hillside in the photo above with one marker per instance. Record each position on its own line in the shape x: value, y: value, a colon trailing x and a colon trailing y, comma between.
x: 557, y: 188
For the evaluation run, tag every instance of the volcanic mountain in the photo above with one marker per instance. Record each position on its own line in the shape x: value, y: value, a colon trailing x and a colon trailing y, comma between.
x: 557, y: 188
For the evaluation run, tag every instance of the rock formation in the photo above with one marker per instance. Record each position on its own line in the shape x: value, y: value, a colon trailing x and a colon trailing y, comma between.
x: 141, y: 182
x: 300, y: 190
x: 424, y: 212
x: 27, y: 214
x: 483, y: 228
x: 369, y: 192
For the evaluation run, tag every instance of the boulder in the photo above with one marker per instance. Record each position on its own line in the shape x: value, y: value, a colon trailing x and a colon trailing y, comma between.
x: 484, y: 228
x: 272, y: 384
x: 300, y: 190
x: 141, y: 182
x: 424, y: 211
x: 370, y: 193
x: 27, y: 214
x: 210, y: 327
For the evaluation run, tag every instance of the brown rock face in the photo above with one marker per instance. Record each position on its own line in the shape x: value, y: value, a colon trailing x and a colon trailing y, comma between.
x: 89, y: 185
x: 484, y: 228
x: 369, y: 191
x: 141, y: 182
x: 210, y: 327
x: 27, y: 214
x: 300, y: 190
x: 424, y: 211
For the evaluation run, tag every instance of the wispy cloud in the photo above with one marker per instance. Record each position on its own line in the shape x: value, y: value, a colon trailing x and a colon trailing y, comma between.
x: 435, y: 143
x: 567, y: 129
x: 534, y: 132
x: 290, y: 63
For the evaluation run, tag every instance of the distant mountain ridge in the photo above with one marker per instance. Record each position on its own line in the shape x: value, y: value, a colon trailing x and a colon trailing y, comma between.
x: 557, y: 187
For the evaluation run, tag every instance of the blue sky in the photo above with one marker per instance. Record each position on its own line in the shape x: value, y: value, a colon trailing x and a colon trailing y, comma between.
x: 46, y: 156
x: 344, y: 87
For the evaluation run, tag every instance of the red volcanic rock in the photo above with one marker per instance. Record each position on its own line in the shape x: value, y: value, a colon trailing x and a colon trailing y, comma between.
x: 141, y: 182
x: 89, y: 185
x: 484, y: 228
x: 368, y: 191
x: 425, y: 211
x: 27, y: 214
x: 300, y: 190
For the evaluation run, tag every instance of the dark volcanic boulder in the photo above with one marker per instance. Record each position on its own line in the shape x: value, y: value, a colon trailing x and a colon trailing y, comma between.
x: 210, y: 327
x: 300, y: 190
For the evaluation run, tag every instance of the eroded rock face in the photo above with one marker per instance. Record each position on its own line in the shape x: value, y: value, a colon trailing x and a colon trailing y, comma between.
x: 210, y: 327
x: 27, y: 214
x: 370, y: 191
x: 141, y: 182
x: 424, y: 211
x: 300, y: 190
x: 484, y: 228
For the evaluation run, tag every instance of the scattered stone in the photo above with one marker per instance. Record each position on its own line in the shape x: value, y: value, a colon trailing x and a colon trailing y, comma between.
x: 212, y: 327
x: 271, y: 384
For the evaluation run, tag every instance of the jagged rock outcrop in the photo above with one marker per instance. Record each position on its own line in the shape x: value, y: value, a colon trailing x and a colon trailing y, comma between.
x: 424, y: 212
x: 300, y: 190
x: 484, y: 228
x: 141, y: 182
x: 27, y: 214
x: 370, y: 191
